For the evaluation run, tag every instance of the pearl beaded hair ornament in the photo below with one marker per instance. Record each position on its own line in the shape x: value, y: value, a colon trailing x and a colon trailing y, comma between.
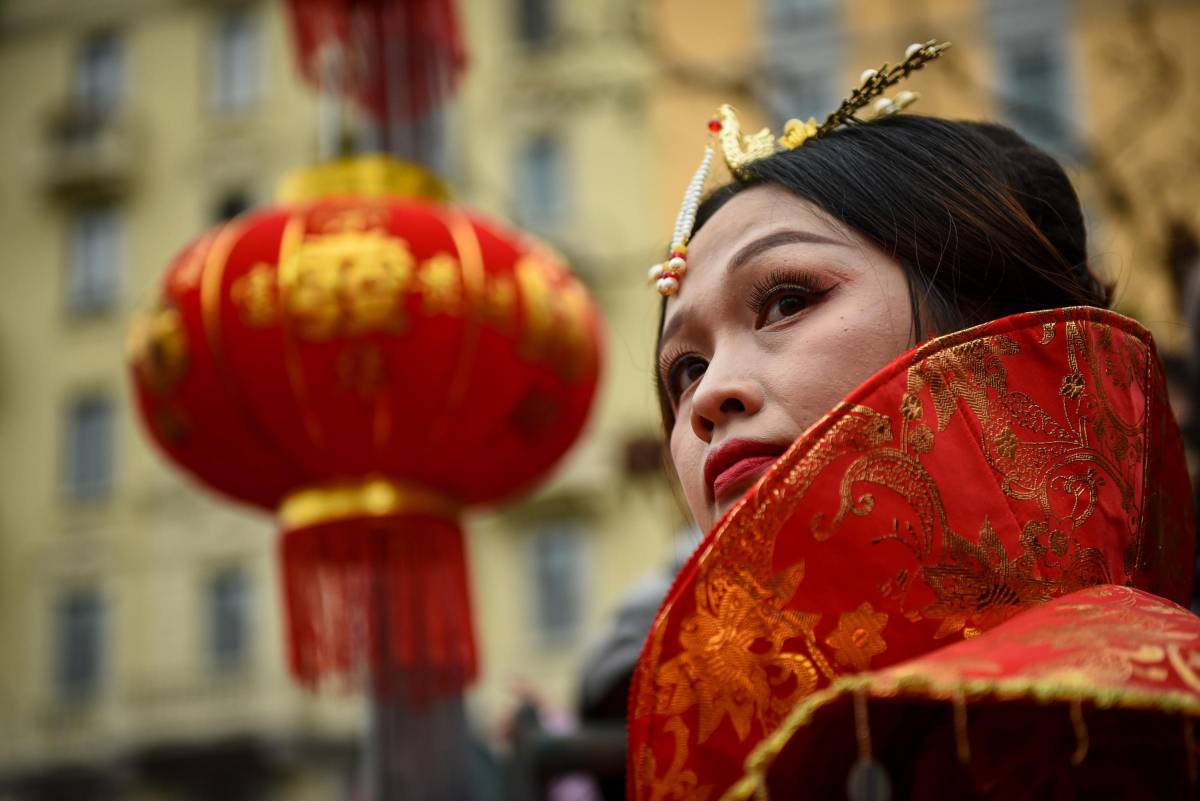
x: 739, y: 150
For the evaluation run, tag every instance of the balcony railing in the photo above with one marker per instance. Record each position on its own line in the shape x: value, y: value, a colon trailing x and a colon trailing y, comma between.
x: 90, y: 152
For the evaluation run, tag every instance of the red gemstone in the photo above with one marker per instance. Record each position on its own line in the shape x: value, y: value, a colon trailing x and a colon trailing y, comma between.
x: 714, y: 126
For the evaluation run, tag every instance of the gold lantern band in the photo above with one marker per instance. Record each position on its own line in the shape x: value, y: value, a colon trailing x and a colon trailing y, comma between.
x: 364, y: 176
x: 375, y: 497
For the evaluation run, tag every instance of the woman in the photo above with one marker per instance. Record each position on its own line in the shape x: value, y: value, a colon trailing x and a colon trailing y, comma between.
x: 925, y: 538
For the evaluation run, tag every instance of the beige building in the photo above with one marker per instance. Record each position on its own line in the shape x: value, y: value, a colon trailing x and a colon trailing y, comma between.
x: 139, y: 617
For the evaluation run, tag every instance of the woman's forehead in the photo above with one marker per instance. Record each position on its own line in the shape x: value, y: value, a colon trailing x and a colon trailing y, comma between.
x: 753, y: 213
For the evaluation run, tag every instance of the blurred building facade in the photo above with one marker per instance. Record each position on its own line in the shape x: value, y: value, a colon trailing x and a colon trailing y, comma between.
x: 140, y: 616
x: 139, y: 613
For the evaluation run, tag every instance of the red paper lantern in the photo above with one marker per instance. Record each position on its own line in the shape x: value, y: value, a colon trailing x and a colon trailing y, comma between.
x: 366, y: 367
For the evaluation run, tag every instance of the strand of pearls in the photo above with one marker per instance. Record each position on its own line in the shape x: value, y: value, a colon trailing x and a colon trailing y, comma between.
x: 666, y: 276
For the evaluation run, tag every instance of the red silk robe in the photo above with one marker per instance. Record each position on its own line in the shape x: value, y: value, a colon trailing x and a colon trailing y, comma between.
x: 999, y: 521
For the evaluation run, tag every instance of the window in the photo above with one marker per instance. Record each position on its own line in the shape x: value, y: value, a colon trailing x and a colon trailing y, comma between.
x: 98, y: 72
x: 228, y: 619
x: 231, y: 206
x: 799, y: 12
x: 540, y: 184
x: 535, y: 22
x: 1033, y: 70
x: 94, y: 266
x: 235, y: 61
x: 227, y: 786
x: 1034, y: 85
x: 802, y: 95
x: 558, y: 577
x: 802, y: 57
x: 224, y: 787
x: 90, y: 448
x: 79, y: 645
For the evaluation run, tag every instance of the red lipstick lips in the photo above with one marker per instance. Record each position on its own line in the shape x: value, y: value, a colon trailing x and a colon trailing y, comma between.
x: 736, y: 461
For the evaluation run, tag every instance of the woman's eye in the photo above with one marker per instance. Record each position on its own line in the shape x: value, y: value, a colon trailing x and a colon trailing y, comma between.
x: 684, y: 373
x: 785, y: 304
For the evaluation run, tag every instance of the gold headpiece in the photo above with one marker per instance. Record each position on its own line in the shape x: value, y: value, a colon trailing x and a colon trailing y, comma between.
x: 740, y: 150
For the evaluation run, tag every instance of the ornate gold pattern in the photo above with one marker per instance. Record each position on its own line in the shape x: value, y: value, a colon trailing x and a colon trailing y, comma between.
x: 376, y: 497
x: 976, y: 584
x: 347, y: 283
x: 352, y: 282
x: 733, y: 663
x: 158, y: 348
x: 363, y: 176
x: 441, y: 288
x: 1091, y: 666
x: 751, y: 646
x: 677, y: 783
x: 257, y: 295
x: 741, y: 149
x: 496, y: 303
x: 723, y: 672
x: 858, y: 637
x: 555, y: 320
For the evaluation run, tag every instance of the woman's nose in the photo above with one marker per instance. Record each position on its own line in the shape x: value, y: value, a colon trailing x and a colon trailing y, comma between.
x: 721, y: 398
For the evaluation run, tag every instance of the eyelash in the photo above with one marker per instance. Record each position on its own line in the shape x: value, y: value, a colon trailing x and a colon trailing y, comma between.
x: 669, y: 361
x: 769, y: 287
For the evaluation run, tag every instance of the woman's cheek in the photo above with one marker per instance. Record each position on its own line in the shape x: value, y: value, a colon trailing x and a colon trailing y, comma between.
x: 687, y: 455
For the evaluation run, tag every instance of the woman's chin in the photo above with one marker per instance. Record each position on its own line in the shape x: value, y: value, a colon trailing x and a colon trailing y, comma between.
x: 730, y: 497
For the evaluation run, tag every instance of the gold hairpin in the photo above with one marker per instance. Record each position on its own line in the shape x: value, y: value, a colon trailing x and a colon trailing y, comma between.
x: 740, y: 149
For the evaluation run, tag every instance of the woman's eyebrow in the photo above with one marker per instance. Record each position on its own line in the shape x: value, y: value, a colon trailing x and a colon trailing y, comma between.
x: 748, y: 252
x: 771, y: 241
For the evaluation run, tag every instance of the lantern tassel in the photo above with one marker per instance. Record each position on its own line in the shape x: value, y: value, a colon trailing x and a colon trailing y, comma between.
x: 380, y: 600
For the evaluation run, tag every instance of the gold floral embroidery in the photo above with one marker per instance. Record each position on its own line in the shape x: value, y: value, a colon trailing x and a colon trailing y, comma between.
x: 910, y: 406
x: 727, y: 659
x: 733, y: 658
x: 920, y: 438
x: 740, y: 627
x: 1006, y: 443
x: 963, y: 372
x: 1117, y: 648
x: 678, y: 783
x: 858, y: 637
x: 976, y: 584
x: 1072, y: 385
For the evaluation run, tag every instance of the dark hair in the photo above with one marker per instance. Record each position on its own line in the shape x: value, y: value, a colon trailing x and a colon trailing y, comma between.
x: 983, y: 223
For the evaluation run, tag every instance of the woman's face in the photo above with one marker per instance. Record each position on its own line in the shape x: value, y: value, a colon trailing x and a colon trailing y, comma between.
x: 782, y: 313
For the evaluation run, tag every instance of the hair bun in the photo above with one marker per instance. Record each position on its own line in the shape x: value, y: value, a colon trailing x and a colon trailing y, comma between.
x: 1040, y: 185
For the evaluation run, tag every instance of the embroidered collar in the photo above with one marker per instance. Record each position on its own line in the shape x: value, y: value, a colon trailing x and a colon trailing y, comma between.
x: 981, y: 474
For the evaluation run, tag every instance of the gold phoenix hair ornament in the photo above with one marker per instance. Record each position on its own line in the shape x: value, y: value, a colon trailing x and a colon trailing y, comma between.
x: 740, y: 150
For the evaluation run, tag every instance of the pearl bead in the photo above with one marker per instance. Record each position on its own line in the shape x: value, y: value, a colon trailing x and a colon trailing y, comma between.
x: 883, y: 103
x: 655, y: 272
x: 677, y: 264
x: 906, y: 97
x: 867, y: 75
x: 667, y: 285
x: 913, y: 49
